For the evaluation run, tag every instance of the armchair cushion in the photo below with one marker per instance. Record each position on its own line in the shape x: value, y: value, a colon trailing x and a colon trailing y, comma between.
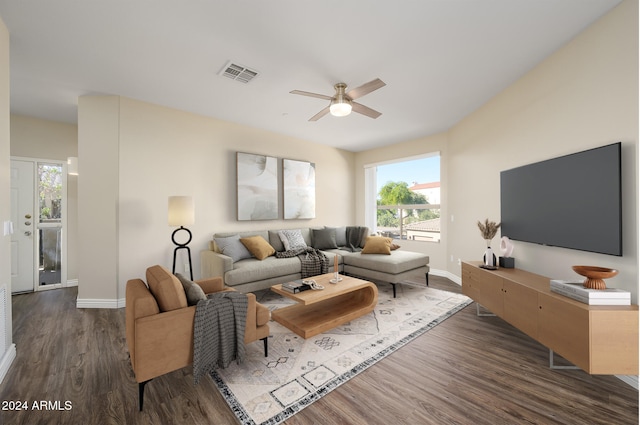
x: 166, y: 288
x: 192, y: 290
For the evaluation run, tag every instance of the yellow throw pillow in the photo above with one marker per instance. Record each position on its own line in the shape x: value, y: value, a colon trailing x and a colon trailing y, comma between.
x: 258, y: 247
x: 377, y: 245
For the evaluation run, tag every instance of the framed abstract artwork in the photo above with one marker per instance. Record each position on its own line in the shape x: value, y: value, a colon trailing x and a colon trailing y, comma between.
x: 257, y: 186
x: 299, y: 183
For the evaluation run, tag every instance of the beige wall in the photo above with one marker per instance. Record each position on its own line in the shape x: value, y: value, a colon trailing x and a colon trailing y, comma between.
x: 163, y: 152
x: 43, y: 139
x: 583, y: 96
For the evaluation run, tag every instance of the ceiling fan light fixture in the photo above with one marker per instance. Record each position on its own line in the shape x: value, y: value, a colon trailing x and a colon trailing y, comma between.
x: 340, y: 107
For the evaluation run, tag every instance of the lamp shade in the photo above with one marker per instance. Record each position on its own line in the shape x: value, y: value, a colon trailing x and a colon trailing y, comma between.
x: 340, y: 109
x: 181, y: 211
x: 72, y: 165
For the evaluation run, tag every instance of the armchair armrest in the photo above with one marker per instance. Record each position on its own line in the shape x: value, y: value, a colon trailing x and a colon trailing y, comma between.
x: 164, y: 343
x: 214, y: 284
x: 140, y: 303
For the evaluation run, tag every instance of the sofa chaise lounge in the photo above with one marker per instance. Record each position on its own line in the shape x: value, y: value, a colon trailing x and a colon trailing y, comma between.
x: 248, y: 273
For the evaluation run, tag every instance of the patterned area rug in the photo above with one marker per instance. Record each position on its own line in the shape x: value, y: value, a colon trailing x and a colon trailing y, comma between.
x: 268, y: 390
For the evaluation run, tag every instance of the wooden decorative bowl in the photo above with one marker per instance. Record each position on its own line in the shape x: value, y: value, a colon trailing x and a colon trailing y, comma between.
x: 595, y: 276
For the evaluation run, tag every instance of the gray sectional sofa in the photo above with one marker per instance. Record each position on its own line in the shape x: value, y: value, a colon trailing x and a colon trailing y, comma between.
x: 246, y: 273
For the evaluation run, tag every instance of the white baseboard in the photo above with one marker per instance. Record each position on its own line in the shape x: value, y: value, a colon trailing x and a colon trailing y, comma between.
x: 443, y: 273
x: 99, y: 303
x: 71, y: 282
x: 6, y: 361
x: 629, y: 379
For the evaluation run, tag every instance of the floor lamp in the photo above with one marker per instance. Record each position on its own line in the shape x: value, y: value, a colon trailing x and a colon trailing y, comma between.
x: 181, y: 213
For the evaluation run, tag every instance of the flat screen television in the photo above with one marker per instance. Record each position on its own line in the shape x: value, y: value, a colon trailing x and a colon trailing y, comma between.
x: 573, y: 201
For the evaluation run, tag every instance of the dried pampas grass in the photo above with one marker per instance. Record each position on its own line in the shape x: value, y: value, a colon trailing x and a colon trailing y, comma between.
x: 488, y: 229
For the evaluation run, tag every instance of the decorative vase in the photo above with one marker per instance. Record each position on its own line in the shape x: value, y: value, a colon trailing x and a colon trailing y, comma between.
x: 489, y: 257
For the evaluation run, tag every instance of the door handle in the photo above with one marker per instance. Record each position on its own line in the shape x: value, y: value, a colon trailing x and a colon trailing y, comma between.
x: 27, y: 233
x: 27, y: 223
x: 27, y: 216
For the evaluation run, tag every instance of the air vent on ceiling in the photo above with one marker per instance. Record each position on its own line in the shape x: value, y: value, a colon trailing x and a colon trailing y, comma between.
x: 238, y: 72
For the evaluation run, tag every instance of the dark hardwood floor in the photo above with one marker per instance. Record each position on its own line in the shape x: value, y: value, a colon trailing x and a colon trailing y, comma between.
x: 467, y: 370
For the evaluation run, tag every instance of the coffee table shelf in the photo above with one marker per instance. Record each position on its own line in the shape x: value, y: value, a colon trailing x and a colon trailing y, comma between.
x: 319, y: 311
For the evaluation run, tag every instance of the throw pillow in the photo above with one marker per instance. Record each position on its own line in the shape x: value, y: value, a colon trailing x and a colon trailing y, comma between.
x: 192, y: 290
x: 341, y: 235
x: 258, y: 246
x: 394, y: 246
x: 292, y: 239
x: 232, y: 247
x: 324, y: 239
x: 377, y: 245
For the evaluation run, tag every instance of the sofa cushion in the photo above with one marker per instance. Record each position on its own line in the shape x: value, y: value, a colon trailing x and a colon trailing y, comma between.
x: 324, y: 238
x: 232, y: 247
x: 252, y: 270
x: 258, y: 246
x: 397, y: 262
x: 292, y: 239
x: 166, y: 288
x: 192, y: 290
x: 377, y: 245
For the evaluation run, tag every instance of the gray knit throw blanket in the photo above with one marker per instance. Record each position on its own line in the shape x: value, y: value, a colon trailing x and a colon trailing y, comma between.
x: 218, y: 332
x: 313, y: 262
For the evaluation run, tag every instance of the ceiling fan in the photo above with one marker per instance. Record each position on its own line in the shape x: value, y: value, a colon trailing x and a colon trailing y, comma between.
x: 341, y: 104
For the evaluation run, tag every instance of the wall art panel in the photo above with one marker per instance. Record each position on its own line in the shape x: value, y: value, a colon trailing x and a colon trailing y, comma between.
x: 257, y: 179
x: 299, y: 181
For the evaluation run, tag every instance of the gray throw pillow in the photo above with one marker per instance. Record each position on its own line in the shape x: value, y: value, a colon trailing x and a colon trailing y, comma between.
x: 292, y: 239
x: 324, y: 239
x: 192, y: 290
x: 232, y: 247
x: 341, y: 235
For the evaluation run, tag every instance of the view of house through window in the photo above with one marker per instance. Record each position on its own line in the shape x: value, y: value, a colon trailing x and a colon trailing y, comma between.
x: 408, y: 199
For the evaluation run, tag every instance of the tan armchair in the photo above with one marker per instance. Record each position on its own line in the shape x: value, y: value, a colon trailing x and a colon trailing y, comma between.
x: 160, y: 324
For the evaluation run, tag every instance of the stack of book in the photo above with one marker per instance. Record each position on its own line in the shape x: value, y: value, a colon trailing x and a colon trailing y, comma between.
x: 575, y: 290
x: 295, y: 286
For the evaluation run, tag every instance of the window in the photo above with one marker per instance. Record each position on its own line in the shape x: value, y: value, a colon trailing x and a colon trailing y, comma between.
x: 406, y: 204
x: 50, y: 196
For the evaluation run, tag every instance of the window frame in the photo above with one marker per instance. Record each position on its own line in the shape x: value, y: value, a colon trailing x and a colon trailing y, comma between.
x: 371, y: 192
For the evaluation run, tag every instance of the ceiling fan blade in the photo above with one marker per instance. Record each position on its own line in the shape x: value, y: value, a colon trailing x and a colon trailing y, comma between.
x: 366, y: 88
x: 306, y: 93
x: 365, y: 110
x: 320, y: 114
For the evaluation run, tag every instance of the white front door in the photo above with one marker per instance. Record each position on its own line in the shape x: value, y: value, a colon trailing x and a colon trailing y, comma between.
x: 23, y: 219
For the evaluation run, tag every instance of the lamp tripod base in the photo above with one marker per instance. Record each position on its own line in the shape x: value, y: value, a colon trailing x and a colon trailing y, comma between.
x: 180, y: 246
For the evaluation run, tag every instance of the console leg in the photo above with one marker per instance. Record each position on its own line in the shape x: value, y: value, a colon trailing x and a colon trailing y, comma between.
x: 553, y: 366
x: 141, y: 393
x: 479, y: 314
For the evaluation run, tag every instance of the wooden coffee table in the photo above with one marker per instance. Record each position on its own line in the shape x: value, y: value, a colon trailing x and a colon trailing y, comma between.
x: 319, y: 311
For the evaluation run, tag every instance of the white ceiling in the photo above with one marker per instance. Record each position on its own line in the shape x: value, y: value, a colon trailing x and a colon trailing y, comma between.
x: 440, y: 59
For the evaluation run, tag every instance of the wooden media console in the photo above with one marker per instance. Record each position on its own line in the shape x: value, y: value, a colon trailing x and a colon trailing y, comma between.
x: 601, y: 340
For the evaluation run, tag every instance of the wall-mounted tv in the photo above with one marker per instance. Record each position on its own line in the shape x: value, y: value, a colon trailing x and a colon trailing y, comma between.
x: 573, y: 201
